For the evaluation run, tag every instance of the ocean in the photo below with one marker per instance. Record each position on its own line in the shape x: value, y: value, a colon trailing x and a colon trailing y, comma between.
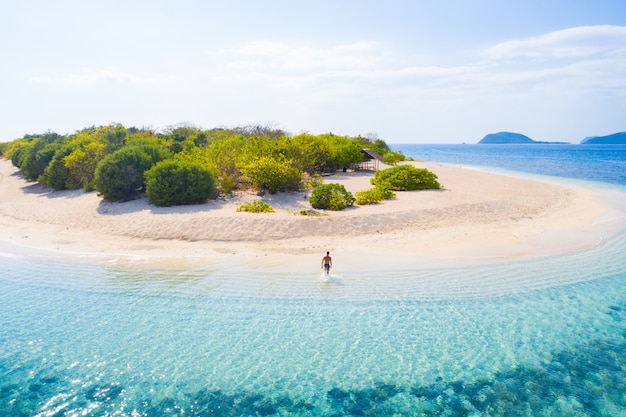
x: 534, y: 337
x: 598, y: 163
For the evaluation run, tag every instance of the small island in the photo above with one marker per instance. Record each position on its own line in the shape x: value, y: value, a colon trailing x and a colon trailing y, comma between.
x: 64, y: 194
x: 502, y: 138
x: 613, y: 139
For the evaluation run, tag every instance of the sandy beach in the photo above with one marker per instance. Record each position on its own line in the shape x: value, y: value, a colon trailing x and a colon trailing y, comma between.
x: 476, y: 217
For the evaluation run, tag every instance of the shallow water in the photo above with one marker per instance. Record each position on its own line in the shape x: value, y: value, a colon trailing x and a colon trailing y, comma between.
x: 540, y: 337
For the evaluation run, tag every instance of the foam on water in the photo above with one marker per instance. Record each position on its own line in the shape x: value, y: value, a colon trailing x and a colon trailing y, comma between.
x: 513, y: 338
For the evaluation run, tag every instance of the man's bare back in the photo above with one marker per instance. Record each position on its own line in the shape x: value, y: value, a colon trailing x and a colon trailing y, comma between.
x: 327, y: 262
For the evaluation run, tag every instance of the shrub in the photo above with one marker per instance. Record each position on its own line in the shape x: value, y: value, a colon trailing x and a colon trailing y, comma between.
x: 374, y: 195
x: 311, y: 182
x: 257, y: 206
x: 81, y: 165
x: 4, y: 147
x: 228, y: 183
x: 309, y: 212
x: 120, y: 175
x: 331, y: 197
x: 17, y: 151
x: 56, y: 173
x: 393, y: 157
x: 406, y: 178
x: 273, y: 175
x: 35, y: 157
x: 170, y: 183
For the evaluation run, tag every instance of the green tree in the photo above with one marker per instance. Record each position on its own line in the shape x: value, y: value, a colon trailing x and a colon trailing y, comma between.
x: 309, y: 153
x: 172, y: 182
x: 120, y: 175
x: 81, y: 165
x: 331, y: 197
x: 113, y: 136
x: 17, y: 151
x: 32, y: 159
x: 44, y: 157
x: 55, y: 175
x: 345, y: 151
x: 222, y: 156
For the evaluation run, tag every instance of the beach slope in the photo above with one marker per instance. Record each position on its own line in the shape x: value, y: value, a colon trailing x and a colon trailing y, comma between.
x: 477, y: 217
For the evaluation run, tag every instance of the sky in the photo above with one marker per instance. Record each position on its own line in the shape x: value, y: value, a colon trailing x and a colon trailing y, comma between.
x: 422, y: 71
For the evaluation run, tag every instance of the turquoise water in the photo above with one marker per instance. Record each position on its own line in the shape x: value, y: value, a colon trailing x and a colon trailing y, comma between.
x: 102, y: 340
x: 542, y: 337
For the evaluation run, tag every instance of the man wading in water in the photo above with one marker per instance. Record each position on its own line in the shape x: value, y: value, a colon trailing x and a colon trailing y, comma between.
x: 327, y: 263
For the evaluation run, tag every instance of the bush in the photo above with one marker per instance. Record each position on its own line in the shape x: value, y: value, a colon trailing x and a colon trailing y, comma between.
x: 257, y: 206
x: 228, y: 183
x: 56, y: 173
x: 4, y: 146
x: 393, y: 157
x: 374, y: 195
x: 311, y: 182
x: 35, y: 157
x: 171, y: 183
x: 331, y: 197
x: 272, y: 175
x: 81, y: 165
x: 406, y: 178
x: 309, y: 212
x: 17, y: 151
x: 120, y: 175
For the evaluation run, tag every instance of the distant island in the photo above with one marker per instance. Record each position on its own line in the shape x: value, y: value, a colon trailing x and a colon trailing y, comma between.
x: 504, y: 138
x: 614, y: 139
x: 510, y: 138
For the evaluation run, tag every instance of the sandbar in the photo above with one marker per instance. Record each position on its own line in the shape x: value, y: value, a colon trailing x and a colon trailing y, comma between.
x: 477, y: 217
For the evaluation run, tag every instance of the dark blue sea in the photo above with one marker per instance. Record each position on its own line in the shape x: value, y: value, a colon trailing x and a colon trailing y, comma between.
x: 534, y: 337
x: 598, y: 163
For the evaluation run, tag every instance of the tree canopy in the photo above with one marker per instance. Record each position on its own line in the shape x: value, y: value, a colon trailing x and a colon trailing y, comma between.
x: 114, y: 159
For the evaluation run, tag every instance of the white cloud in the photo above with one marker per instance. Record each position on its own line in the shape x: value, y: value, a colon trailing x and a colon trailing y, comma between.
x: 596, y: 54
x: 374, y: 83
x: 264, y: 56
x: 583, y: 41
x: 90, y: 76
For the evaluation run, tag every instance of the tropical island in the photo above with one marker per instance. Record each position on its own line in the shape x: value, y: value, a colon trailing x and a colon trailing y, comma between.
x: 504, y: 138
x: 188, y: 165
x: 261, y: 217
x: 511, y: 138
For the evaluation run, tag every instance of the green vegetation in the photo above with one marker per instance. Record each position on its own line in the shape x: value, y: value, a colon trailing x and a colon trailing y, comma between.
x: 406, y: 178
x: 257, y: 206
x: 374, y: 195
x: 331, y: 197
x: 309, y: 212
x: 115, y: 160
x: 271, y: 174
x: 310, y: 182
x: 120, y: 175
x: 172, y: 182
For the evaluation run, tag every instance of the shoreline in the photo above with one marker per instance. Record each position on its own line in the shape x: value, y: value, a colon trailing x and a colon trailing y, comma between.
x: 477, y: 217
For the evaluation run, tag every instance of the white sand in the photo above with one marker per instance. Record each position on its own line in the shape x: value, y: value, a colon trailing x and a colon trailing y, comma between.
x: 478, y: 216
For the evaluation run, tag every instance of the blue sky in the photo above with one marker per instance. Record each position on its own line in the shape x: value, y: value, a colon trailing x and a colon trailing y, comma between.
x: 438, y: 71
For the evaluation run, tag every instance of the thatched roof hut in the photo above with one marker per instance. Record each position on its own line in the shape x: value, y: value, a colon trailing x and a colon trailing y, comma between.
x: 371, y: 160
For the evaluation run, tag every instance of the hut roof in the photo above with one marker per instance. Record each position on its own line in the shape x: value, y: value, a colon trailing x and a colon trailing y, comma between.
x: 370, y: 154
